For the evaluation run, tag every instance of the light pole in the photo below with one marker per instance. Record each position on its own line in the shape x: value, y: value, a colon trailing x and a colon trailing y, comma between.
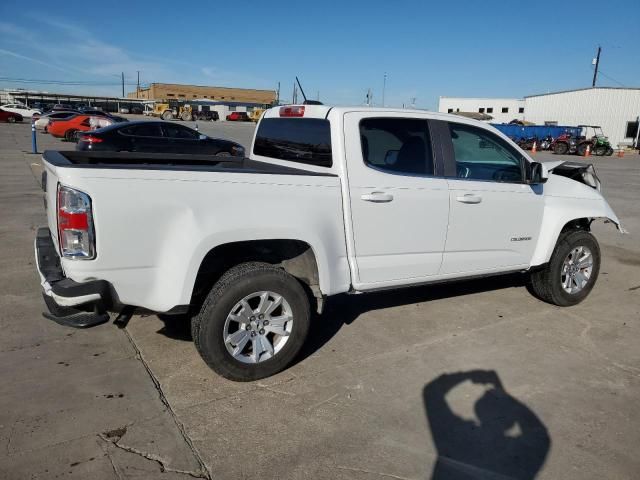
x: 384, y: 86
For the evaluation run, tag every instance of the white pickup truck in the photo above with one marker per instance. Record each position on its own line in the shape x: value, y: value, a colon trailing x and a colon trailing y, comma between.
x: 330, y: 200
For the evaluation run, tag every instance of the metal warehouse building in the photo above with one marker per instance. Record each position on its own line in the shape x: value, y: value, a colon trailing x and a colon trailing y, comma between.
x: 615, y: 109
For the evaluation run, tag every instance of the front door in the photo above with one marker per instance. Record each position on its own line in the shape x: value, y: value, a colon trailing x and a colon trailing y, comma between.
x: 495, y: 216
x: 399, y: 209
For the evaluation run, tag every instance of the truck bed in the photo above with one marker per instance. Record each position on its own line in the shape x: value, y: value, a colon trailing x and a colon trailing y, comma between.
x: 168, y: 161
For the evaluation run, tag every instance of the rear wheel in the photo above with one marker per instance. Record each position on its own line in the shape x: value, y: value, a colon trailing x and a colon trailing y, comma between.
x: 571, y: 272
x: 609, y: 152
x: 560, y: 148
x: 11, y: 119
x: 70, y: 135
x: 167, y: 115
x: 253, y: 322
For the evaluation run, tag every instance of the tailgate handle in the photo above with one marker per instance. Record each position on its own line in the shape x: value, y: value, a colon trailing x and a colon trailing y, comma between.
x: 469, y: 198
x: 377, y: 197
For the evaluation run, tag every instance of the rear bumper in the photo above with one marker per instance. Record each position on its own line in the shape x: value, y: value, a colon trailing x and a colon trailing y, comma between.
x: 70, y: 303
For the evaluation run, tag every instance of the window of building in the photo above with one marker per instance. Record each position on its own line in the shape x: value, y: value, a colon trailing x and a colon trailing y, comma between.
x: 632, y: 130
x: 222, y: 98
x: 481, y: 155
x: 181, y: 95
x: 304, y: 140
x: 195, y: 96
x: 170, y: 95
x: 457, y: 109
x: 551, y: 123
x: 206, y: 96
x: 521, y: 110
x: 490, y: 110
x: 505, y: 109
x: 397, y: 145
x: 481, y: 110
x: 233, y: 98
x: 449, y: 110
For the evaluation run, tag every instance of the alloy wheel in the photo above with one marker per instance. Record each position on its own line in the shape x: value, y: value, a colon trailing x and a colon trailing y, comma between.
x: 576, y: 269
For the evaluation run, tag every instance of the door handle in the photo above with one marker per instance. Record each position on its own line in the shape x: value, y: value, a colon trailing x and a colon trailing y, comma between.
x: 377, y: 197
x: 469, y: 198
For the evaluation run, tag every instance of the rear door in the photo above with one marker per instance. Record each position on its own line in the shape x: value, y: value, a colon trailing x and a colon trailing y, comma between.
x: 495, y: 216
x: 399, y: 207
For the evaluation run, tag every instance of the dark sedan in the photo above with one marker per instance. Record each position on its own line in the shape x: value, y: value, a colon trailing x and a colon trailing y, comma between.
x: 155, y: 137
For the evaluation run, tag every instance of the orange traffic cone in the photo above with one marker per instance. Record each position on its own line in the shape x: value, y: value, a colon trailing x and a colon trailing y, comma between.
x: 621, y: 152
x: 588, y: 152
x: 534, y: 149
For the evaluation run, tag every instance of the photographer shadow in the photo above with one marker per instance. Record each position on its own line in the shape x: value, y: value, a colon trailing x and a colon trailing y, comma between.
x: 507, y: 440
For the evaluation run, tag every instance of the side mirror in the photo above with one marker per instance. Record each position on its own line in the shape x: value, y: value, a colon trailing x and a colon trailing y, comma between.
x: 538, y: 173
x: 391, y: 157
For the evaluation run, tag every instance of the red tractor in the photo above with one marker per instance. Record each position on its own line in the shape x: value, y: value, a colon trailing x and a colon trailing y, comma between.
x: 598, y: 143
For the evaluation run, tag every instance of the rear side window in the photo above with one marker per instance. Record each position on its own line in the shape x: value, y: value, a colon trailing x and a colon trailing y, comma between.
x: 397, y: 145
x: 303, y: 140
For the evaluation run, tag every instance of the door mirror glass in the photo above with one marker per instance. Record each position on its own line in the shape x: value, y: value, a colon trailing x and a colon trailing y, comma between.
x: 391, y: 157
x: 202, y: 137
x: 538, y: 173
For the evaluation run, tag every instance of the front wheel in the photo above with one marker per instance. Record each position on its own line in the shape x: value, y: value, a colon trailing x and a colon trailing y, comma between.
x: 572, y: 271
x: 253, y: 322
x: 600, y: 150
x: 609, y: 152
x: 560, y: 148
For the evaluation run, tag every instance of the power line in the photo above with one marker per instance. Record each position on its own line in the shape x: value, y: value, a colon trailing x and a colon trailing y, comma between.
x: 610, y: 78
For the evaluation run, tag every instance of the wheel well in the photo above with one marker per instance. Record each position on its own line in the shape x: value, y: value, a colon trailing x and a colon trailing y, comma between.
x: 578, y: 224
x: 294, y: 256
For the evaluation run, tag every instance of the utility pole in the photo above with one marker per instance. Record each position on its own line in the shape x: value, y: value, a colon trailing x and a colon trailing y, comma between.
x: 596, y: 62
x: 122, y: 84
x: 138, y: 86
x: 278, y: 95
x: 384, y: 86
x: 368, y: 97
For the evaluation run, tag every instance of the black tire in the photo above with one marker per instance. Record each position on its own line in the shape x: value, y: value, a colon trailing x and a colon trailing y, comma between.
x: 546, y: 283
x: 207, y: 326
x: 582, y: 149
x: 69, y: 135
x: 11, y: 119
x: 167, y: 115
x: 600, y: 150
x: 560, y: 148
x: 609, y: 152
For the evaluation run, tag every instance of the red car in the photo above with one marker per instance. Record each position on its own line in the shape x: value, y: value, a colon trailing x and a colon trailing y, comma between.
x: 238, y: 117
x: 9, y: 116
x: 68, y: 128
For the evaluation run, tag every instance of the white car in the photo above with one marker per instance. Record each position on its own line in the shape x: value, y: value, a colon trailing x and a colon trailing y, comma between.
x: 331, y: 200
x: 23, y: 110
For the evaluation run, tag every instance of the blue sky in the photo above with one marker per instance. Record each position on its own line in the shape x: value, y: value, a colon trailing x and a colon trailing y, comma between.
x: 428, y: 49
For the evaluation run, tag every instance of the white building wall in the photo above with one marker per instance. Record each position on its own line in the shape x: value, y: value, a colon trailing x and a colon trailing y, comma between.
x: 610, y: 108
x: 457, y: 104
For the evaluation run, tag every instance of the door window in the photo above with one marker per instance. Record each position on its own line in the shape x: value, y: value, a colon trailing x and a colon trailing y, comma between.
x: 482, y: 155
x: 151, y: 130
x: 177, y: 131
x: 397, y: 145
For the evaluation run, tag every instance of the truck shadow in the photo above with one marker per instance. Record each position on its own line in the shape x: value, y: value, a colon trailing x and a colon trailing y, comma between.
x: 503, y: 438
x: 345, y: 309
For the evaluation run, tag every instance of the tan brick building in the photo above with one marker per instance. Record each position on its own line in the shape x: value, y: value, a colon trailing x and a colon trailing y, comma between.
x: 174, y: 91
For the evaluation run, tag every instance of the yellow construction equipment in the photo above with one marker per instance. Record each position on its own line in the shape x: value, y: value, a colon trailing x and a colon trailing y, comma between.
x: 168, y: 111
x: 256, y: 114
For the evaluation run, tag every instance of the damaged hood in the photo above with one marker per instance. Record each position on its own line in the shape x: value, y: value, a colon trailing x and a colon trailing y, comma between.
x: 580, y: 172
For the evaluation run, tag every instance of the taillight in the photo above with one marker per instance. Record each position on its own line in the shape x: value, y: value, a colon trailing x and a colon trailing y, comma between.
x: 292, y: 111
x: 75, y: 224
x: 90, y: 139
